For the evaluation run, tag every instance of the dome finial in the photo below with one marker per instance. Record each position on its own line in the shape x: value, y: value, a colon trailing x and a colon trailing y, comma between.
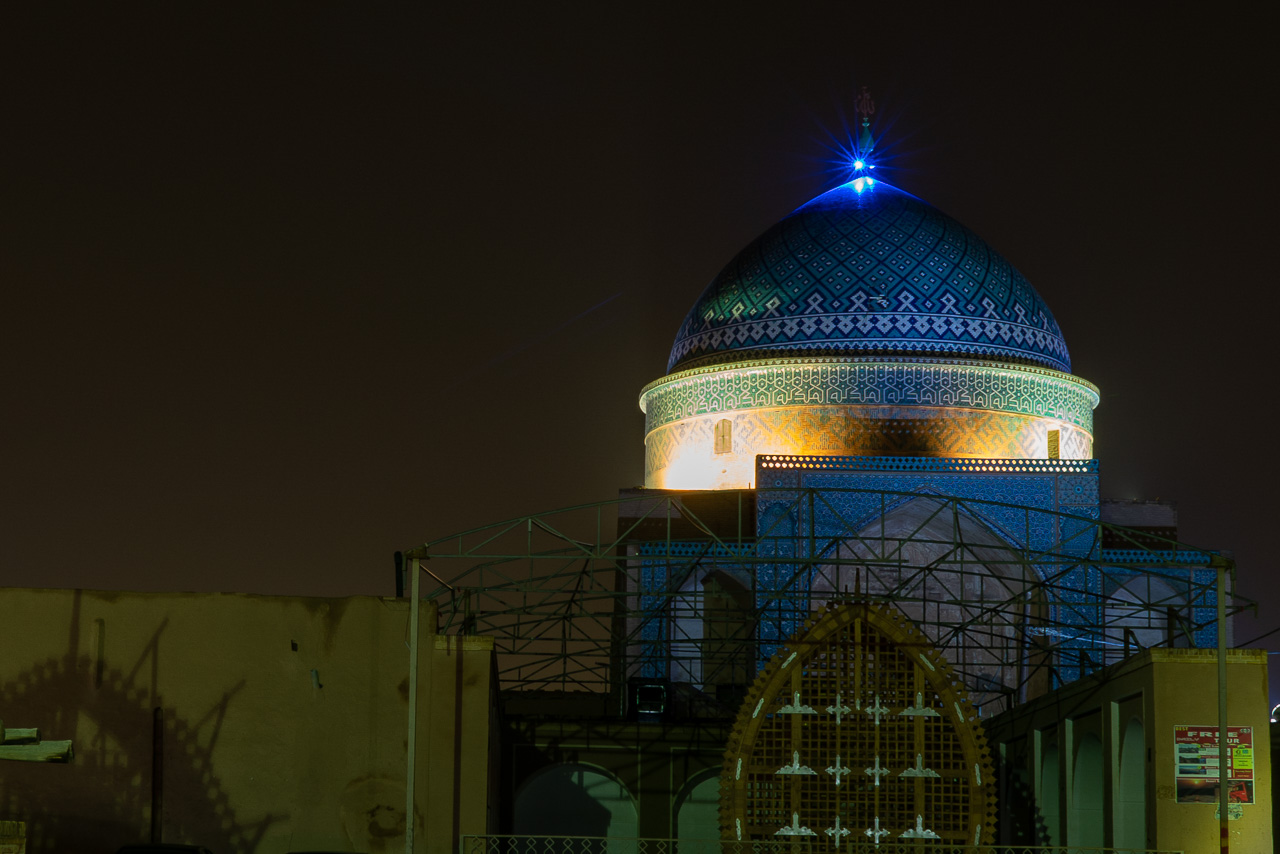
x: 866, y: 108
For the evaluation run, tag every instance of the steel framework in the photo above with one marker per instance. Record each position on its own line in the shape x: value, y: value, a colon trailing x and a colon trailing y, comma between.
x: 582, y: 598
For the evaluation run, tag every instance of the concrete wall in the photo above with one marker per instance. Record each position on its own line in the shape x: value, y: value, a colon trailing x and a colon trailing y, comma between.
x: 1098, y: 755
x: 283, y: 722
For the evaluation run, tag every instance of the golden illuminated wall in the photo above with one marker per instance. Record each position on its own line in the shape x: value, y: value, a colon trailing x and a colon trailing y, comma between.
x: 704, y: 428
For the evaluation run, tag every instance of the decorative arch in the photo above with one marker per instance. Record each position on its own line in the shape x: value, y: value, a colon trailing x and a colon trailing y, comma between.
x: 858, y: 726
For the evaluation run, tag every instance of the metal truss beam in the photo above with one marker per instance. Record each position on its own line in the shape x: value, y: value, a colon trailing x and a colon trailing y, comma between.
x: 570, y: 598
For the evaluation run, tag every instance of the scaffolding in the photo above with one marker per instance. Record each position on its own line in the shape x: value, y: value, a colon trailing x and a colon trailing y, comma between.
x: 587, y: 597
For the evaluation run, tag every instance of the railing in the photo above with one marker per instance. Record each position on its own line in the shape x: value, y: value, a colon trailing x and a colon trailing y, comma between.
x: 511, y: 844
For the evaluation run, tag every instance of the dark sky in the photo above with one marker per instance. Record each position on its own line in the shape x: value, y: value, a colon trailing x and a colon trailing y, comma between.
x: 286, y: 291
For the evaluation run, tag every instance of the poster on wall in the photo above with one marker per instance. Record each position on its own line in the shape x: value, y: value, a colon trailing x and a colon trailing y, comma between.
x: 1196, y: 758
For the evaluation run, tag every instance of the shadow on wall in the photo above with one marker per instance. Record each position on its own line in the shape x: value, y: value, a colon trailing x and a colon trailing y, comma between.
x: 102, y: 799
x: 573, y: 800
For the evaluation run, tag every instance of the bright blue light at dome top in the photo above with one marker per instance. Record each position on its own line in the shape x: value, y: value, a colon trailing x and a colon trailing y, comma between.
x: 861, y: 179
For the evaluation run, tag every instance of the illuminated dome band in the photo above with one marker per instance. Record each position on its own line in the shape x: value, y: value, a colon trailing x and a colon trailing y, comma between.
x: 855, y: 407
x: 869, y: 269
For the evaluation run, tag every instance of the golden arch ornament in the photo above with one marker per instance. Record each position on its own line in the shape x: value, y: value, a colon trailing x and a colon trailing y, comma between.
x: 858, y: 732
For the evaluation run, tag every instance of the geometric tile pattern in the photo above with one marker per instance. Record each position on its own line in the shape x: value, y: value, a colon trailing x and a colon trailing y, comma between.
x: 787, y: 382
x: 1151, y: 559
x: 853, y: 496
x: 1075, y: 491
x: 1037, y: 490
x: 869, y: 271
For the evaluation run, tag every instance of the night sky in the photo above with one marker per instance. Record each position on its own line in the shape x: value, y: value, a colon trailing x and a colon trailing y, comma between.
x: 285, y: 292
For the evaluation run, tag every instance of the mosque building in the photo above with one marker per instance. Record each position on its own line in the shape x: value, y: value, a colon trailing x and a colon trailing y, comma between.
x: 871, y: 542
x: 868, y: 342
x: 868, y: 597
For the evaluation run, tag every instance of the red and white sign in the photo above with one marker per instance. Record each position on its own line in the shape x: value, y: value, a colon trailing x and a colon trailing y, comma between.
x: 1196, y: 764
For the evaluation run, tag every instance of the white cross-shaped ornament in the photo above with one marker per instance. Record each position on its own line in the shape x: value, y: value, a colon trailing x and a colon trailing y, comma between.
x: 877, y: 710
x: 875, y: 771
x: 839, y: 709
x: 838, y: 770
x: 837, y: 832
x: 877, y: 833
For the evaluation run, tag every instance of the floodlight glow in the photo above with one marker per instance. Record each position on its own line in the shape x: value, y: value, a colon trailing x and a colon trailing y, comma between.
x: 859, y: 184
x: 858, y: 164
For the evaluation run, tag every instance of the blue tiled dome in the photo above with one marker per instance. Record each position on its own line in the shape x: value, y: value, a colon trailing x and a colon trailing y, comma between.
x: 869, y: 271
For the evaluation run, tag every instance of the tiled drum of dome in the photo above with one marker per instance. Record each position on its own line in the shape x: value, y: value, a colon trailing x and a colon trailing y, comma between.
x: 872, y: 271
x: 884, y: 430
x: 851, y: 405
x: 771, y: 383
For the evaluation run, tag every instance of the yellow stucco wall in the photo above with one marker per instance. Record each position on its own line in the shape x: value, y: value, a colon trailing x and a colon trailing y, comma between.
x: 284, y: 720
x: 1162, y: 689
x: 1185, y: 692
